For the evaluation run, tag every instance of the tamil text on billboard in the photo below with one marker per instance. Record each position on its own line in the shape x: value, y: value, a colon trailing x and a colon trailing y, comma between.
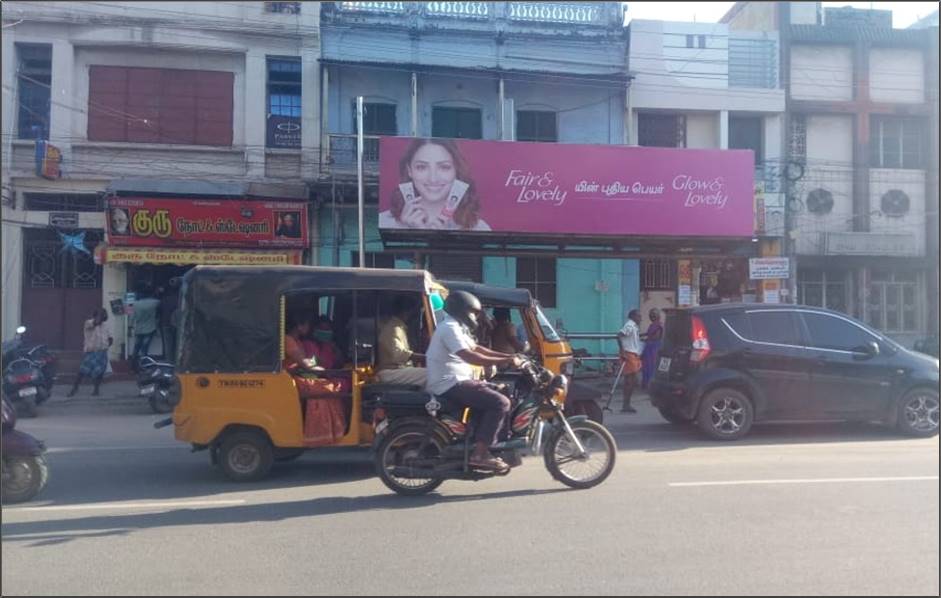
x: 461, y: 185
x: 157, y: 222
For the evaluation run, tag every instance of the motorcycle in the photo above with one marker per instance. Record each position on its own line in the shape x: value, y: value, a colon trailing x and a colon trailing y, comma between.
x: 155, y: 381
x: 23, y: 379
x: 24, y: 469
x: 421, y: 440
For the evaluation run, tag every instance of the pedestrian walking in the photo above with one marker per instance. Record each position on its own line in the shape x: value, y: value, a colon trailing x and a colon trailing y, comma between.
x: 144, y: 322
x: 652, y: 340
x: 95, y: 358
x: 629, y: 339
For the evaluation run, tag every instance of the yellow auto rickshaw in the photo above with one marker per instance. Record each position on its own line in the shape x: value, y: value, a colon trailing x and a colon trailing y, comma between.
x: 234, y: 396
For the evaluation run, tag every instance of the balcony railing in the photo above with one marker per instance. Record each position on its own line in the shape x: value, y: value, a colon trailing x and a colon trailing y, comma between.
x: 341, y: 155
x: 464, y: 10
x: 572, y: 13
x: 555, y: 12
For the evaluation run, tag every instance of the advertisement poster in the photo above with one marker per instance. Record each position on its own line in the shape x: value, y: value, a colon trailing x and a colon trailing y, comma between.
x: 762, y: 268
x: 152, y: 222
x: 497, y: 186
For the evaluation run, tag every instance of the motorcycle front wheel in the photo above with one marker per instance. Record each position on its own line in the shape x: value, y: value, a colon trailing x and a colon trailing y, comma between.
x: 581, y: 471
x: 23, y: 478
x: 160, y: 405
x: 399, y: 451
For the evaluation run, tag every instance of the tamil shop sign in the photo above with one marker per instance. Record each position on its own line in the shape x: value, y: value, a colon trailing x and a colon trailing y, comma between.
x: 213, y: 257
x: 497, y: 186
x: 153, y: 222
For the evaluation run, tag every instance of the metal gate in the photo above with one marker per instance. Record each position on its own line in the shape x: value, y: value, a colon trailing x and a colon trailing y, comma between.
x: 60, y: 289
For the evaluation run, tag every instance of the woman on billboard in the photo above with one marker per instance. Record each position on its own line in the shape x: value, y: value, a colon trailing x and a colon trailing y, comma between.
x: 435, y: 191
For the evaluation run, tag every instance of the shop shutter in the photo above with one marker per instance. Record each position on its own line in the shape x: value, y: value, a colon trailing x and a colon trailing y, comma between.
x: 457, y: 267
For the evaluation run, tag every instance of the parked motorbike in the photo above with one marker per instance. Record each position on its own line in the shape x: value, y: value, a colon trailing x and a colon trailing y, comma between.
x: 421, y: 441
x: 155, y: 381
x: 23, y: 380
x: 24, y: 470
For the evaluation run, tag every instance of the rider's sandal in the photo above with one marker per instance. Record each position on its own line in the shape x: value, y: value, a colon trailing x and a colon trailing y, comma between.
x: 491, y: 464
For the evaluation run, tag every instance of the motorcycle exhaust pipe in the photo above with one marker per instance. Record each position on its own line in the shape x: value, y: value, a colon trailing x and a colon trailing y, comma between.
x: 163, y: 423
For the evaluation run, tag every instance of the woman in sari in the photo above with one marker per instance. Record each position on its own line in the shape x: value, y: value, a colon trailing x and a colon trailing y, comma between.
x: 652, y: 339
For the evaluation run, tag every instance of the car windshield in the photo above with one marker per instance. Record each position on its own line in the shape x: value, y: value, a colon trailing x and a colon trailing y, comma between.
x: 547, y: 330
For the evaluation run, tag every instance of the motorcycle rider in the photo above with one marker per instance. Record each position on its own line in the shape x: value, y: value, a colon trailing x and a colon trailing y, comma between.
x: 449, y: 358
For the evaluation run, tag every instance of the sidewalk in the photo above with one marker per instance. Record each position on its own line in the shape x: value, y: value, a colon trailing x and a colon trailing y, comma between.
x: 111, y: 390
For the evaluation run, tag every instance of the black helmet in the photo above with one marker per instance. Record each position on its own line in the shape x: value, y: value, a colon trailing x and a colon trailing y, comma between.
x: 463, y: 307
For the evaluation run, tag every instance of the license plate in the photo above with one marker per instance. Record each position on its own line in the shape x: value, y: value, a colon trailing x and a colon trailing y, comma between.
x: 148, y: 390
x: 664, y: 364
x: 28, y: 392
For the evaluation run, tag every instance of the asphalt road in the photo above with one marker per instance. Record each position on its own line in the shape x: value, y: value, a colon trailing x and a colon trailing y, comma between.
x: 793, y: 509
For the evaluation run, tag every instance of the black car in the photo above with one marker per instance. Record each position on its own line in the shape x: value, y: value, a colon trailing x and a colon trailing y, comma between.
x: 730, y: 365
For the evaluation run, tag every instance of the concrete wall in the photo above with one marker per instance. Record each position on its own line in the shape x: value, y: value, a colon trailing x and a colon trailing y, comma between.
x: 897, y: 75
x: 821, y: 73
x: 702, y: 131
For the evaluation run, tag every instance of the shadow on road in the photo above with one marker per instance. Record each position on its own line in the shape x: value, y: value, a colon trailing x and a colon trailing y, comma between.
x: 45, y: 533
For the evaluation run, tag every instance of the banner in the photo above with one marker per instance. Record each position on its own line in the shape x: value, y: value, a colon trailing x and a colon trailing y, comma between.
x: 499, y: 186
x: 212, y: 257
x: 762, y: 268
x: 152, y: 222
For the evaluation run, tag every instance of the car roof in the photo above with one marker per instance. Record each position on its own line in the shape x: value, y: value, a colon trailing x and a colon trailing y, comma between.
x: 729, y: 307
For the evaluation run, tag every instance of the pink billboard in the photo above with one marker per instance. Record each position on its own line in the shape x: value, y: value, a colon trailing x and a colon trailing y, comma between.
x: 516, y: 187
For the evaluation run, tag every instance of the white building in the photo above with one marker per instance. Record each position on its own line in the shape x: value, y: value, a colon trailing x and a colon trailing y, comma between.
x: 862, y: 135
x: 701, y: 85
x: 147, y: 97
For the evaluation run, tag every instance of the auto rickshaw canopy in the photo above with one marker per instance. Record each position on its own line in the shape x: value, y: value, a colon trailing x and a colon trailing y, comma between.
x: 231, y: 315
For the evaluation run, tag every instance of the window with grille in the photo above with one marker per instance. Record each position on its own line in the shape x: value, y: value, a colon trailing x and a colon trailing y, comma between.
x: 658, y: 275
x: 797, y: 138
x: 661, y: 130
x: 152, y: 105
x: 378, y: 118
x: 898, y: 143
x: 456, y: 267
x: 536, y: 125
x: 891, y: 305
x: 822, y: 288
x: 63, y: 202
x: 456, y: 123
x: 291, y: 8
x: 538, y: 275
x: 34, y: 80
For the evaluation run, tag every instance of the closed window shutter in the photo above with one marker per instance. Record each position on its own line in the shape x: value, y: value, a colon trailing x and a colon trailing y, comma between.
x: 107, y: 99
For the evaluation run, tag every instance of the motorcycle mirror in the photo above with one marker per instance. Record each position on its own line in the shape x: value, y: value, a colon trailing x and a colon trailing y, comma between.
x: 21, y: 330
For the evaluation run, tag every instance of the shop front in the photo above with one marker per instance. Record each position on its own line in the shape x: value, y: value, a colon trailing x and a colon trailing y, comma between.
x: 591, y: 230
x: 153, y: 241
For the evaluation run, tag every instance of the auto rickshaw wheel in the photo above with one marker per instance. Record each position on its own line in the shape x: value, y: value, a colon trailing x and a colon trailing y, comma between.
x: 246, y: 455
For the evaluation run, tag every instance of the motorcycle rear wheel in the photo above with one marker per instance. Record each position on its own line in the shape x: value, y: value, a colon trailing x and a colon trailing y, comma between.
x: 581, y: 472
x: 397, y: 449
x: 160, y: 405
x: 26, y: 407
x: 23, y: 478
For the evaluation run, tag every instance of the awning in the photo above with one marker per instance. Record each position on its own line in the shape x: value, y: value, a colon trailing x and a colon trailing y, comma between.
x: 197, y: 256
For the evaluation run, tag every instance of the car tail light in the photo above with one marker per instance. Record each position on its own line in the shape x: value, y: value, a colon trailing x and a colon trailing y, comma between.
x: 24, y: 378
x: 700, y: 338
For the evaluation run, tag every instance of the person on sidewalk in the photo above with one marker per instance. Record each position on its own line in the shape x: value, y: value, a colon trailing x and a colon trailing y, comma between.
x: 144, y: 322
x: 169, y: 303
x: 396, y: 358
x: 652, y: 339
x: 95, y: 359
x: 629, y: 339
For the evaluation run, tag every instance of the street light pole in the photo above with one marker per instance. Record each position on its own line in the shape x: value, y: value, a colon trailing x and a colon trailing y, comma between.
x: 359, y: 179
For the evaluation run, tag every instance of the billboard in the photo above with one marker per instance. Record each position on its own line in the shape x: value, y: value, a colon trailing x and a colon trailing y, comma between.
x: 158, y: 222
x: 499, y: 186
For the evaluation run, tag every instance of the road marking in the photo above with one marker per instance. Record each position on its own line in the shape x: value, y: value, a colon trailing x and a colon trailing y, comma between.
x: 135, y: 505
x: 805, y: 481
x: 75, y: 449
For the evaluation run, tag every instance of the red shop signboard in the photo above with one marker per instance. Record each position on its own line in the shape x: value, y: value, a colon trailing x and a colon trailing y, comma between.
x: 158, y: 222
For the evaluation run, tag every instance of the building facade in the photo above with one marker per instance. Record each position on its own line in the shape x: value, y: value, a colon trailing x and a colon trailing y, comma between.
x: 862, y: 157
x: 513, y: 71
x: 138, y: 102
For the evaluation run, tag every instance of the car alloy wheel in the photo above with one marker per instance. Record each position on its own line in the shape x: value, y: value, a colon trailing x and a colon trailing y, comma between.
x: 922, y: 411
x: 728, y: 415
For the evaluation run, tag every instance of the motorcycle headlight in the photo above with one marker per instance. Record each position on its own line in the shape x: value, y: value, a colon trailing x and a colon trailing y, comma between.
x: 568, y: 368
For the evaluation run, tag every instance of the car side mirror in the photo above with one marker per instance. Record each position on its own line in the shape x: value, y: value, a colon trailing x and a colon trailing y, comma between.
x: 866, y: 351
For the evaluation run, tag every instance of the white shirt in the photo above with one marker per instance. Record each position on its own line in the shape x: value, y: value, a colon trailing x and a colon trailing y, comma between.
x: 445, y: 368
x: 630, y: 338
